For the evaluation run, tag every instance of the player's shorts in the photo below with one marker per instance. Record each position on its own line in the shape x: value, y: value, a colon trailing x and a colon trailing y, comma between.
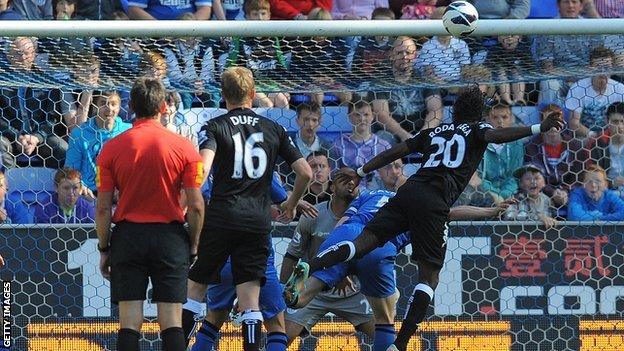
x: 221, y: 296
x: 375, y: 270
x: 354, y: 309
x: 249, y: 252
x: 149, y: 251
x: 419, y: 208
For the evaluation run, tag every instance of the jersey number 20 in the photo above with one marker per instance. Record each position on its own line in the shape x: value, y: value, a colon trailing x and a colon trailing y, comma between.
x: 444, y: 152
x: 244, y: 155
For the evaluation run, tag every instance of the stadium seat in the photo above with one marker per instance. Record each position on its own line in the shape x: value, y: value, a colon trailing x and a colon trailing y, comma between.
x: 31, y: 183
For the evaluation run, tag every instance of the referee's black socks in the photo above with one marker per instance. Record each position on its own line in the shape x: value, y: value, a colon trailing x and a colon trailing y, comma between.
x: 173, y: 339
x: 418, y: 304
x: 128, y: 340
x: 252, y: 330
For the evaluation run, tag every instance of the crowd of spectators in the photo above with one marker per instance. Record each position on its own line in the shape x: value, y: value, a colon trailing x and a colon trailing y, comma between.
x: 75, y: 97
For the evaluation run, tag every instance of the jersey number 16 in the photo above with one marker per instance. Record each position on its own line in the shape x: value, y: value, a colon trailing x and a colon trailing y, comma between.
x: 444, y: 153
x: 244, y: 155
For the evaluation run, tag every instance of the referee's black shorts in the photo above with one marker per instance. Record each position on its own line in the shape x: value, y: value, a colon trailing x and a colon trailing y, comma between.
x: 249, y: 252
x: 143, y: 251
x: 420, y: 208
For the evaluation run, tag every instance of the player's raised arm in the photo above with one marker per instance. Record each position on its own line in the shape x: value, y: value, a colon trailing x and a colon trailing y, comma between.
x: 386, y: 157
x: 303, y: 174
x: 504, y: 135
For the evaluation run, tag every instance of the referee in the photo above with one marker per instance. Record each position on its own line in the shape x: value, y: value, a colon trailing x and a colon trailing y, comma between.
x: 149, y: 166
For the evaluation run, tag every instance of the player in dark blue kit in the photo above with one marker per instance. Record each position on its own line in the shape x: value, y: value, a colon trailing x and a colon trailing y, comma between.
x: 220, y: 297
x: 451, y: 154
x: 376, y: 269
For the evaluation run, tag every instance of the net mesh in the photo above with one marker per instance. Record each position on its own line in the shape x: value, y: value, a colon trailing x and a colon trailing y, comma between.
x: 506, y: 286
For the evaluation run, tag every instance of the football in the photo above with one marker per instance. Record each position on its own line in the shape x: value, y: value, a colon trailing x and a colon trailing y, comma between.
x: 460, y: 18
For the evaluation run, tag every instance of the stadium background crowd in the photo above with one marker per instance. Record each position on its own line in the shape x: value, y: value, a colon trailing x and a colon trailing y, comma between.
x: 344, y: 99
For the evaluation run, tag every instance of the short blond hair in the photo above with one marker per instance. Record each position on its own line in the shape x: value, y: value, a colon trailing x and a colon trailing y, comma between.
x: 593, y: 168
x: 237, y: 84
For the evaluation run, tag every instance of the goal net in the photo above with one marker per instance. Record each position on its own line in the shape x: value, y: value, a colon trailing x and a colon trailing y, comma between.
x: 516, y: 280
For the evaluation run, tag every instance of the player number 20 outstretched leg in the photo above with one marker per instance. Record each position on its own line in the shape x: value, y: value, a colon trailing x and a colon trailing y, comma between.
x: 418, y: 304
x: 345, y: 251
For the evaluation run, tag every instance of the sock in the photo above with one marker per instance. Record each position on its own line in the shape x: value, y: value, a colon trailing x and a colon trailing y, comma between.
x: 205, y: 337
x: 252, y: 330
x: 276, y: 341
x: 418, y: 304
x: 173, y: 339
x: 128, y: 340
x: 341, y: 252
x: 189, y: 310
x: 384, y: 336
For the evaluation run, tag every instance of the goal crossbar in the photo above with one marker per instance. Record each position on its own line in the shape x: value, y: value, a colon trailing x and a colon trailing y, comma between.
x: 174, y: 29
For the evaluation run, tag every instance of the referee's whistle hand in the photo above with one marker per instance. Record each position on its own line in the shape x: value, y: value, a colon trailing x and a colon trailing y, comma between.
x: 105, y: 265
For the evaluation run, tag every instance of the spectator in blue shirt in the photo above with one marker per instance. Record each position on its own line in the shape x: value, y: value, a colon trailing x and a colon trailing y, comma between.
x: 594, y: 202
x: 65, y: 205
x: 86, y: 141
x: 12, y: 210
x: 7, y: 12
x: 155, y: 10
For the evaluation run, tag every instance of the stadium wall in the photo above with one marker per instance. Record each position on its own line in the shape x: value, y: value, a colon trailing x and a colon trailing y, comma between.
x: 505, y: 286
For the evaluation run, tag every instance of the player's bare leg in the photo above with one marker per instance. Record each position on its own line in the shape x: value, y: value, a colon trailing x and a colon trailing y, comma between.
x: 170, y: 321
x: 130, y: 322
x: 417, y: 304
x: 277, y: 340
x: 384, y: 311
x: 248, y: 294
x: 192, y: 309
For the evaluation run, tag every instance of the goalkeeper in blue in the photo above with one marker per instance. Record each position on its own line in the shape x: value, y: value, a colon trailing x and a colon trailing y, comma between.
x: 220, y: 297
x: 375, y: 270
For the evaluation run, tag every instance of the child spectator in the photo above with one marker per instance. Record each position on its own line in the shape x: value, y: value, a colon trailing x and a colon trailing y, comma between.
x: 65, y: 205
x: 318, y: 63
x: 355, y: 9
x: 12, y: 210
x: 594, y: 202
x: 263, y: 56
x: 369, y: 54
x: 309, y: 120
x: 156, y: 10
x: 607, y: 150
x: 558, y: 155
x: 501, y: 160
x: 7, y: 12
x: 509, y: 59
x: 86, y: 141
x: 191, y: 67
x: 361, y: 145
x: 533, y: 204
x: 297, y: 9
x: 174, y: 122
x: 34, y: 10
x: 589, y: 98
x: 65, y: 9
